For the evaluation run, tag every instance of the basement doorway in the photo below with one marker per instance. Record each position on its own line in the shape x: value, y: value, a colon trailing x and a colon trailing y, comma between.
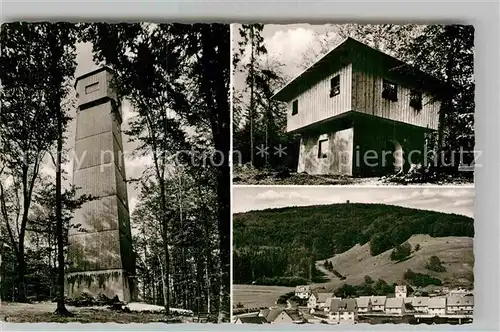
x: 394, y: 157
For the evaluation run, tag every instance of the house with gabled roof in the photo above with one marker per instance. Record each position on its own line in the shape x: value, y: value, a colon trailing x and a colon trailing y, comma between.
x: 303, y: 291
x: 394, y: 305
x: 400, y: 291
x: 357, y: 99
x: 420, y: 304
x: 437, y: 306
x: 378, y: 303
x: 364, y: 304
x: 270, y: 314
x: 456, y: 304
x: 343, y: 311
x: 289, y: 317
x: 318, y: 300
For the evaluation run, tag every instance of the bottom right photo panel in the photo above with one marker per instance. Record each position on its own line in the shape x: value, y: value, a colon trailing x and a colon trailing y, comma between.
x: 353, y: 255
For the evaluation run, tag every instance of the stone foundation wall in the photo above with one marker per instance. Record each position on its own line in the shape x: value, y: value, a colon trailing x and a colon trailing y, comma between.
x: 108, y: 282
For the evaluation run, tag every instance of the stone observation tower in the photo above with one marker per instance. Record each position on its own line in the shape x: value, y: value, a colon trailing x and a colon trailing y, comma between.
x: 100, y: 254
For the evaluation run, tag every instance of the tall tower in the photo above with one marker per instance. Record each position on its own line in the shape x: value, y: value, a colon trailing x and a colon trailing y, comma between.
x: 100, y: 251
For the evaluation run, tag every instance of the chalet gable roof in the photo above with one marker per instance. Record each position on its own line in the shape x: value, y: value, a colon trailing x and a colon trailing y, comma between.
x: 343, y: 54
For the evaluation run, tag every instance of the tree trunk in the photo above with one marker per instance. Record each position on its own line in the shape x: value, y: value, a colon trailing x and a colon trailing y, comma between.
x: 21, y: 270
x: 61, y: 308
x: 252, y: 79
x: 164, y: 222
x: 164, y: 287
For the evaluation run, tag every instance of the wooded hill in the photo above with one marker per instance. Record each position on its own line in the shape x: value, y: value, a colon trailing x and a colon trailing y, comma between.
x: 326, y: 230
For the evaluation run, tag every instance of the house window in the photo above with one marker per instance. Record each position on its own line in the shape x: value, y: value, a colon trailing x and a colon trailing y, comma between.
x: 416, y: 99
x: 322, y: 148
x: 389, y: 90
x: 92, y: 87
x: 335, y: 86
x: 295, y: 107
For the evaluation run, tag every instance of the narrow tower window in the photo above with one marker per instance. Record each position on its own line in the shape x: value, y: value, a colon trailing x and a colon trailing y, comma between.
x: 92, y: 87
x: 416, y: 99
x: 295, y: 107
x: 335, y: 86
x: 389, y: 90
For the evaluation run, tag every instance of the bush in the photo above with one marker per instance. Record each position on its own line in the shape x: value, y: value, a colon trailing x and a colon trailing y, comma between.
x: 417, y: 247
x: 401, y: 252
x: 409, y: 306
x: 421, y: 280
x: 435, y: 264
x: 368, y: 280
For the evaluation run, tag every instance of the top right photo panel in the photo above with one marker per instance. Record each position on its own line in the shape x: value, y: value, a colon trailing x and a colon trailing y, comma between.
x: 353, y: 104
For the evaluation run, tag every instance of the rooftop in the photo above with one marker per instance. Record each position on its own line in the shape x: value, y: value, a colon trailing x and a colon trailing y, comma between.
x: 457, y: 300
x: 378, y: 300
x: 437, y: 302
x: 341, y: 55
x: 362, y: 302
x: 338, y: 305
x: 92, y: 72
x: 253, y: 320
x: 393, y: 302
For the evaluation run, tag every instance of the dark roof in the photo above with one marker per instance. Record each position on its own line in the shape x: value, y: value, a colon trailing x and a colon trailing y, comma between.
x: 342, y: 55
x: 271, y: 315
x: 90, y: 73
x: 338, y: 305
x: 294, y: 315
x: 253, y: 320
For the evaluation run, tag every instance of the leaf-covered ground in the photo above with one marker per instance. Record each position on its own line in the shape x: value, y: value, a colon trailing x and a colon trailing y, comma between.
x: 44, y: 313
x: 246, y: 175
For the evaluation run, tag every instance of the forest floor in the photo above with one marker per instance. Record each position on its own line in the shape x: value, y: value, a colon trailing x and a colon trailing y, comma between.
x: 246, y: 175
x: 43, y: 312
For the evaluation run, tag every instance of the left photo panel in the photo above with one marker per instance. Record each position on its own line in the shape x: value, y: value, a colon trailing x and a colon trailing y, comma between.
x: 114, y: 173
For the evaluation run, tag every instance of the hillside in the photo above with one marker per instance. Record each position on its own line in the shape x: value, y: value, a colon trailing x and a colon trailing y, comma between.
x: 281, y: 242
x: 456, y: 253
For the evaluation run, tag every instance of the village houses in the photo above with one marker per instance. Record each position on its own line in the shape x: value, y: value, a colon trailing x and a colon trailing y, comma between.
x: 364, y: 304
x: 400, y: 291
x: 460, y: 304
x: 378, y: 303
x: 319, y: 300
x: 288, y: 317
x: 343, y: 311
x: 394, y: 305
x: 437, y: 306
x: 420, y: 304
x: 303, y: 292
x: 339, y: 311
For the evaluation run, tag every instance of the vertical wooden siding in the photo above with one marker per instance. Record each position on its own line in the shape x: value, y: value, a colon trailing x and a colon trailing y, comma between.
x: 315, y: 103
x: 367, y: 98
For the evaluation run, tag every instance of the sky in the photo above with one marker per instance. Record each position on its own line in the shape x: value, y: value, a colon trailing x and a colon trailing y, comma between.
x: 458, y: 200
x: 287, y: 42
